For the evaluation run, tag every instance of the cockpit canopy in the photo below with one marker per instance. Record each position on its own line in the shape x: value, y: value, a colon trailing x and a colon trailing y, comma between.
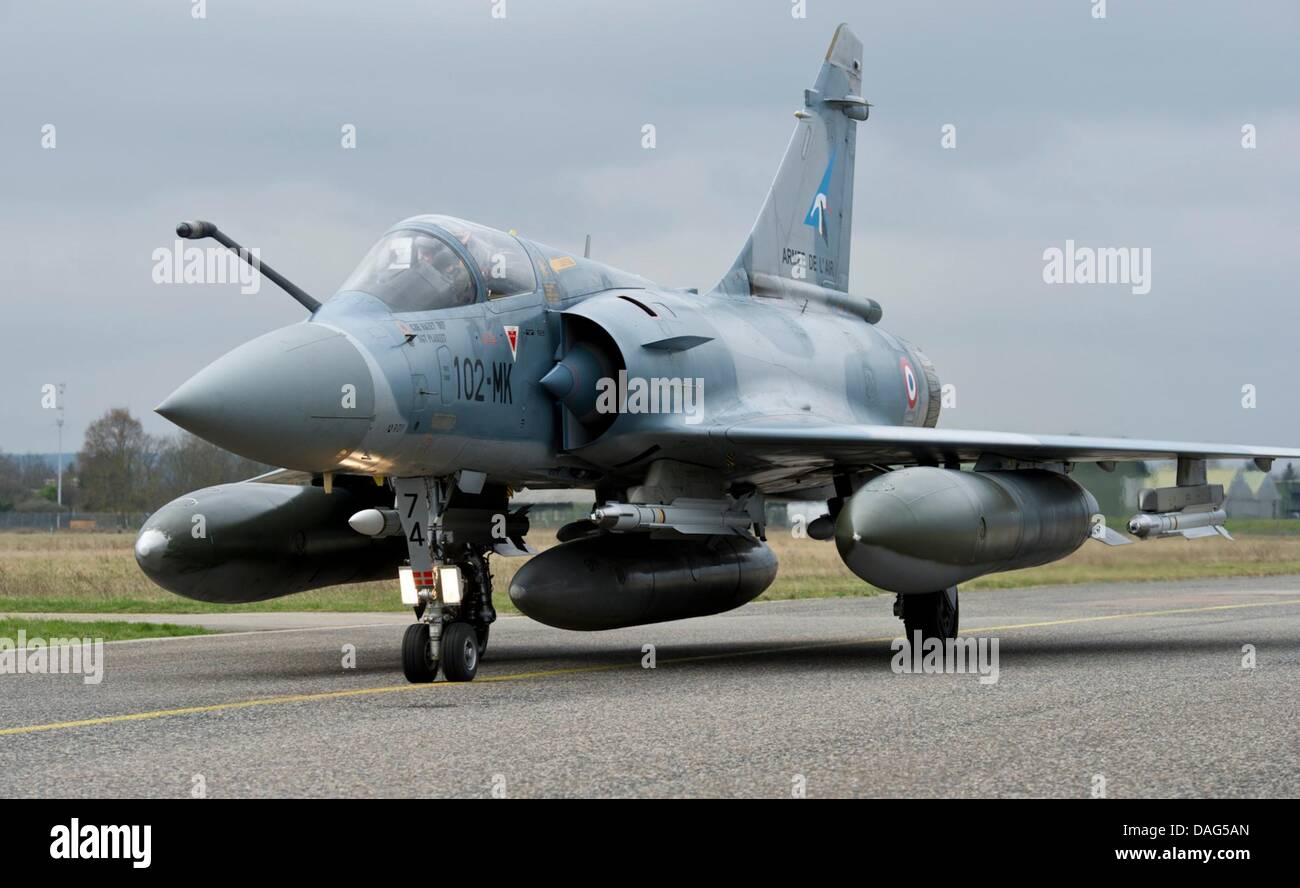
x: 502, y: 262
x: 413, y: 270
x: 410, y: 270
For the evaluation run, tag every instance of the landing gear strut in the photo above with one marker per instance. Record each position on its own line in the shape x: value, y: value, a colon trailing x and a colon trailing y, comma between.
x: 933, y: 614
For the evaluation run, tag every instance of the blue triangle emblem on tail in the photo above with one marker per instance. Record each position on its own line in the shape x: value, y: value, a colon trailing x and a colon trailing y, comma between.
x: 816, y: 216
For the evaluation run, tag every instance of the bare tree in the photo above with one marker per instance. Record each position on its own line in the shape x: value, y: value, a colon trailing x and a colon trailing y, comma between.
x: 116, y: 464
x: 188, y: 463
x: 12, y: 490
x: 27, y: 484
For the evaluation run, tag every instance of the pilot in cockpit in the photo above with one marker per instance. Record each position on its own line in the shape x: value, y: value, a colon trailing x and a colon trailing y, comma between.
x: 441, y: 267
x: 424, y: 253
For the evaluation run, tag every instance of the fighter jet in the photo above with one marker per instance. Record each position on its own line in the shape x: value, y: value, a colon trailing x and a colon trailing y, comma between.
x: 459, y: 364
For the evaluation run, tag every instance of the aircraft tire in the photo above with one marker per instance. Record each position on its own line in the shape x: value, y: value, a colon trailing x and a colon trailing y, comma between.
x: 933, y: 614
x: 418, y: 662
x: 459, y: 652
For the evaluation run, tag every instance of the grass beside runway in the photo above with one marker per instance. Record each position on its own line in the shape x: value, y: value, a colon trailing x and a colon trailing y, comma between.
x: 104, y: 630
x: 96, y: 572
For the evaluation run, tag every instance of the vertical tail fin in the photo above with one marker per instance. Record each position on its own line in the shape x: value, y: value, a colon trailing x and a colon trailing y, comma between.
x: 803, y: 233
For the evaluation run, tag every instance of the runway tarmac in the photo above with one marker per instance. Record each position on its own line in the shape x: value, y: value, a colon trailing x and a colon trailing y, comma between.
x: 1142, y: 684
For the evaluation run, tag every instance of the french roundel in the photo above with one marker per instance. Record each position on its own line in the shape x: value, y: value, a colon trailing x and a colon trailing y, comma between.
x: 909, y: 380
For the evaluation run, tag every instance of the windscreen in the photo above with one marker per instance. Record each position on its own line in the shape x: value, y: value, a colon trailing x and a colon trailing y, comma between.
x: 413, y: 271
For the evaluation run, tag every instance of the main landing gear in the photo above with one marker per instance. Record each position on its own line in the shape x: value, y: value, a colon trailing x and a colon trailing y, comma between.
x: 933, y: 614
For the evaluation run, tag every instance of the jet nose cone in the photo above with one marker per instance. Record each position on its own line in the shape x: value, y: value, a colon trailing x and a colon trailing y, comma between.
x: 301, y: 397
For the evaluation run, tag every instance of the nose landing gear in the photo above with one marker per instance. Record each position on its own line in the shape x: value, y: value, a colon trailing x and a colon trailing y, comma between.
x: 453, y: 638
x: 455, y: 612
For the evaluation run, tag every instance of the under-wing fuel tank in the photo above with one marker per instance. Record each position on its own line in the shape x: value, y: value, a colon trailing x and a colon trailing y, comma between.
x: 250, y: 541
x: 923, y: 529
x: 615, y: 580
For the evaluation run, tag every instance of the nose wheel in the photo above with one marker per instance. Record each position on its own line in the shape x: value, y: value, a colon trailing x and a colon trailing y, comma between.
x: 457, y: 652
x: 418, y: 660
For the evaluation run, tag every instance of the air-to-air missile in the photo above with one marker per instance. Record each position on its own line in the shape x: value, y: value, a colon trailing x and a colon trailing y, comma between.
x: 684, y: 515
x: 377, y: 522
x: 500, y: 529
x: 1192, y: 510
x: 1189, y: 524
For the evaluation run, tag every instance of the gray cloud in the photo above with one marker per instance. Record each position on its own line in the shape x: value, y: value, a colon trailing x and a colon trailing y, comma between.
x: 1122, y: 132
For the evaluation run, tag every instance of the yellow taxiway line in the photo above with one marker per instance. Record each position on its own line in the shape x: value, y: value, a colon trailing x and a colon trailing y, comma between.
x: 579, y: 670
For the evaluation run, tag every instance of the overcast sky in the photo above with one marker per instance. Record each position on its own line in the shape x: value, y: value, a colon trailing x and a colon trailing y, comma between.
x: 1119, y: 132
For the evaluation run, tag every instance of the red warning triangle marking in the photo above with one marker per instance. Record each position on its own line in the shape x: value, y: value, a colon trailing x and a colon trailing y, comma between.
x: 512, y: 335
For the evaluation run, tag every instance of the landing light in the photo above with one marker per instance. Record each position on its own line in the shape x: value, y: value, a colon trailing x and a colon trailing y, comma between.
x: 449, y: 585
x: 406, y: 580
